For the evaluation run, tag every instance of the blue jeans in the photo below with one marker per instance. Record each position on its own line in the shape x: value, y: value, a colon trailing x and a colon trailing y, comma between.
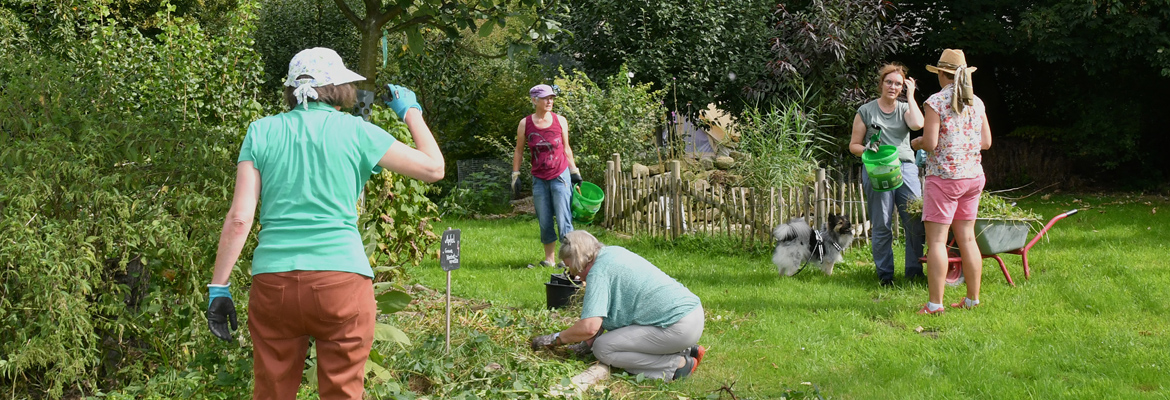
x: 881, y: 214
x: 551, y: 200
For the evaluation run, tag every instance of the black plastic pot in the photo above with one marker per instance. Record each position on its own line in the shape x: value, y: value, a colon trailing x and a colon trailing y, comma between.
x: 561, y: 279
x: 559, y: 289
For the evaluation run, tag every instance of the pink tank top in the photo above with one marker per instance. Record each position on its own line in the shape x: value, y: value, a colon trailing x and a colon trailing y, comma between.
x: 546, y: 147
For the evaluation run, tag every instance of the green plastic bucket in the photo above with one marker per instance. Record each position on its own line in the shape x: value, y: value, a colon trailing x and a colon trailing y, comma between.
x: 587, y: 199
x: 883, y: 167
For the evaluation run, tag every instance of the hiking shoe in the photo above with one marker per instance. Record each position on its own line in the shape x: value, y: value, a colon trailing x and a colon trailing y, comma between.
x: 926, y: 310
x: 697, y: 353
x: 686, y: 369
x: 963, y: 304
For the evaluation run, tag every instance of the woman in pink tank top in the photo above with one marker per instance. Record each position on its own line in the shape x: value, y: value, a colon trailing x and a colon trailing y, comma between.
x: 546, y: 135
x: 956, y: 131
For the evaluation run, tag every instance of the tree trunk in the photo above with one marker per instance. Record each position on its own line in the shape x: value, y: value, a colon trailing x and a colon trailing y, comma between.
x: 368, y: 54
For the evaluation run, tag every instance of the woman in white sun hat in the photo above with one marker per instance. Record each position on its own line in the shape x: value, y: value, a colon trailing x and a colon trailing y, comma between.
x: 956, y: 131
x: 310, y: 277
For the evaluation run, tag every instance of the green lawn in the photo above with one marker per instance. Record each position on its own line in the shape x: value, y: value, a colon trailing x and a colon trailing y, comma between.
x: 1090, y: 323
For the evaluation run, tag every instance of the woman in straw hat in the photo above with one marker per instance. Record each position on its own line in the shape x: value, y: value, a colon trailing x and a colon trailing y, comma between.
x: 310, y: 276
x: 895, y: 119
x: 956, y: 131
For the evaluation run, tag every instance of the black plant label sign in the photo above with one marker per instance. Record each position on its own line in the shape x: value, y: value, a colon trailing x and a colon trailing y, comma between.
x: 449, y: 250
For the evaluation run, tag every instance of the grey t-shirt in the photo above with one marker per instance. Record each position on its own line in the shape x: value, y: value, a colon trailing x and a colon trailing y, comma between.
x: 894, y: 129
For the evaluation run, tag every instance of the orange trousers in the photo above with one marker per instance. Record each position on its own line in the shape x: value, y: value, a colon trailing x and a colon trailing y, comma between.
x: 286, y: 308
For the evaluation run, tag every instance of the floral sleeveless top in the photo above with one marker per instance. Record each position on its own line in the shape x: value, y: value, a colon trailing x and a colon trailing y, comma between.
x: 959, y: 138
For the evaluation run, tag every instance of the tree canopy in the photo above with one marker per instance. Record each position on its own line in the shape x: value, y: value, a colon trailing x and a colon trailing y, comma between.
x: 735, y: 52
x: 701, y: 51
x: 453, y: 17
x: 1081, y: 77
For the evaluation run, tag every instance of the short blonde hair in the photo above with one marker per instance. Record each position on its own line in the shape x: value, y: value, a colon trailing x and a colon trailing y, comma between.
x: 578, y: 249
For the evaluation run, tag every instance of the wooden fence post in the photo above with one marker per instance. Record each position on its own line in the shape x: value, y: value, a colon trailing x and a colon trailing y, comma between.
x: 676, y: 200
x: 667, y: 206
x: 610, y: 195
x: 821, y: 196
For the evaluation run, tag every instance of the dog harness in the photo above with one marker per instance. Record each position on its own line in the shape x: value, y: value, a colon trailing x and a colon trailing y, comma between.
x: 816, y: 248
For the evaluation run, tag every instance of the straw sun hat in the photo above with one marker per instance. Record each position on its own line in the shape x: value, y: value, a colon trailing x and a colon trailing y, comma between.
x: 953, y: 61
x: 950, y: 61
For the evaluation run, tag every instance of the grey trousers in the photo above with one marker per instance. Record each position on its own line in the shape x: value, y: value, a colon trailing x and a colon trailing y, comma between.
x: 882, y: 206
x: 649, y: 350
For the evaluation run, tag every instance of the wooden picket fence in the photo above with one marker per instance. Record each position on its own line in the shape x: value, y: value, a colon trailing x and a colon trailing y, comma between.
x: 666, y: 206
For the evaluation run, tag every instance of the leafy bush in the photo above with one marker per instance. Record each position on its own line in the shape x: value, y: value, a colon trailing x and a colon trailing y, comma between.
x: 702, y: 52
x: 482, y: 193
x: 466, y: 96
x: 115, y: 176
x: 618, y: 117
x: 783, y: 143
x: 398, y: 215
x: 116, y: 171
x: 286, y: 27
x: 831, y: 45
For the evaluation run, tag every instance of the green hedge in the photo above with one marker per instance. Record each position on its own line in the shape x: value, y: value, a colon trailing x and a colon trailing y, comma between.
x: 116, y: 175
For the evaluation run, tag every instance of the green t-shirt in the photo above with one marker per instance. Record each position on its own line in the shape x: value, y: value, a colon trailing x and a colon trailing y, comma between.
x: 894, y: 129
x: 313, y: 164
x: 625, y: 289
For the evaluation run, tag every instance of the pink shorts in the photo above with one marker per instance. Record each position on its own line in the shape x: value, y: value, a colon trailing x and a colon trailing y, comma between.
x: 946, y: 200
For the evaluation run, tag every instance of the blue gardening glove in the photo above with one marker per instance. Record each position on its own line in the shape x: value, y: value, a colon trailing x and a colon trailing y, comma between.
x: 400, y: 99
x: 575, y: 176
x: 221, y: 310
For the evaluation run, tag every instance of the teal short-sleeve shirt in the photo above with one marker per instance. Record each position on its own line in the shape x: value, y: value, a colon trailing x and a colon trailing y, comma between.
x: 625, y: 289
x: 313, y: 165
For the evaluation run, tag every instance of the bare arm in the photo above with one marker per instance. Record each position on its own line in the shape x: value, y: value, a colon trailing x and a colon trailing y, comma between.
x: 913, y: 116
x: 565, y: 140
x: 238, y: 222
x: 424, y: 161
x: 518, y: 153
x: 986, y: 133
x: 857, y: 141
x: 929, y: 139
x: 583, y: 329
x: 914, y: 119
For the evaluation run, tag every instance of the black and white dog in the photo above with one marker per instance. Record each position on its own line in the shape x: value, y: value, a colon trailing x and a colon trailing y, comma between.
x: 799, y: 244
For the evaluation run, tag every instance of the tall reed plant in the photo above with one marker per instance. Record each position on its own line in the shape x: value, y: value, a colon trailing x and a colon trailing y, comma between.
x: 783, y: 141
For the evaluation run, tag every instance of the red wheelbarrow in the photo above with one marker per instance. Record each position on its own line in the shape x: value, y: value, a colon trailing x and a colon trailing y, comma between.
x: 995, y: 237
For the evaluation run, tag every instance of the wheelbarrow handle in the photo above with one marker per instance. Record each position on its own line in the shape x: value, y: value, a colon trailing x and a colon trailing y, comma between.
x: 1049, y: 225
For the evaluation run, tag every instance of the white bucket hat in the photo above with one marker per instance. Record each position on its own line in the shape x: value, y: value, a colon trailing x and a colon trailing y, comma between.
x: 324, y: 66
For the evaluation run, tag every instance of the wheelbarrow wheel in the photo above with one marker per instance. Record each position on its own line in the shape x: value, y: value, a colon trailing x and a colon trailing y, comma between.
x: 955, y: 273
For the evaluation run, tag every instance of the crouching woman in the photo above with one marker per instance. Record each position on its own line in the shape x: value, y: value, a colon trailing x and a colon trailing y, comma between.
x: 651, y: 323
